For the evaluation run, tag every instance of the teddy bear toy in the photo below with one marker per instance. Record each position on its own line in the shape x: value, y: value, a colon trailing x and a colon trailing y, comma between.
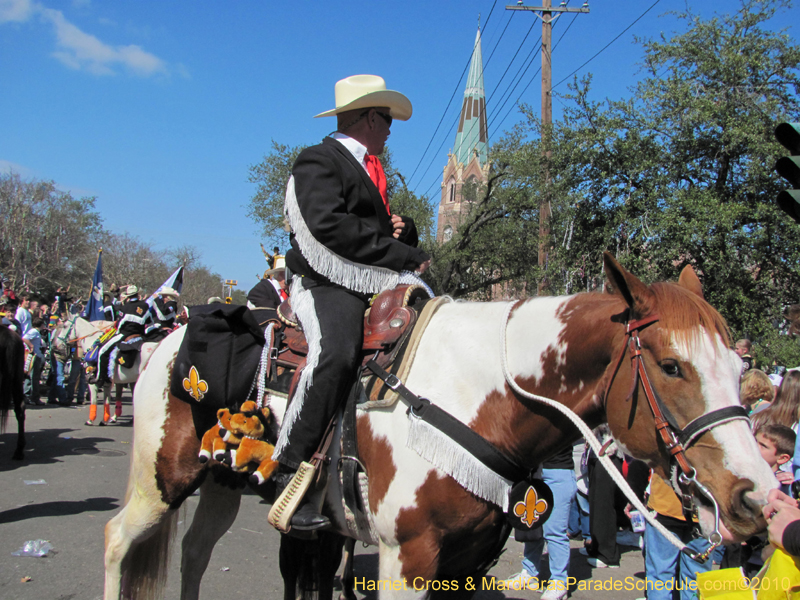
x: 212, y: 444
x: 254, y: 452
x: 249, y: 426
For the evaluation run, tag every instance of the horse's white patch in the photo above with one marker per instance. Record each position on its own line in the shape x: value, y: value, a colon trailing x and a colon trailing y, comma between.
x: 719, y: 369
x: 458, y: 367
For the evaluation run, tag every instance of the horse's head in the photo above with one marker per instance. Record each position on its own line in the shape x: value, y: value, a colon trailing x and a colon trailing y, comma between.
x: 692, y: 371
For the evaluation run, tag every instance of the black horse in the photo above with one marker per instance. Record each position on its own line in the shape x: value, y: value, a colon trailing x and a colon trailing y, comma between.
x: 12, y: 373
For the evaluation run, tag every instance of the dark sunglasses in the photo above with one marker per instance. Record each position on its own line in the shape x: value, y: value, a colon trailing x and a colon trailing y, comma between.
x: 387, y: 118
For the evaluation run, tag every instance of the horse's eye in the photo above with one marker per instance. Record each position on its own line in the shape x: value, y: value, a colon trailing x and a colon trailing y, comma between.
x: 670, y: 368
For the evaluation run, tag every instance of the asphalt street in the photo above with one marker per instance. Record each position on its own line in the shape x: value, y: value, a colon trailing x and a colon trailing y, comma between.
x: 72, y: 482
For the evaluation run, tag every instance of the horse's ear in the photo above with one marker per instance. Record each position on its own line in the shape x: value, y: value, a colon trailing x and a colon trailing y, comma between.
x: 690, y: 281
x: 637, y: 295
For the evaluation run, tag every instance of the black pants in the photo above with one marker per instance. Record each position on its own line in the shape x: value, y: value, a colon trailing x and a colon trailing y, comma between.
x: 603, y: 502
x: 333, y: 321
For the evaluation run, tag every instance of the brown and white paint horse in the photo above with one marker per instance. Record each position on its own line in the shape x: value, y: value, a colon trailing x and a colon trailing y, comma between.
x: 428, y: 526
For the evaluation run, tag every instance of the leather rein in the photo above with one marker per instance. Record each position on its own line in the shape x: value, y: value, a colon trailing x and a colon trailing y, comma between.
x: 676, y: 439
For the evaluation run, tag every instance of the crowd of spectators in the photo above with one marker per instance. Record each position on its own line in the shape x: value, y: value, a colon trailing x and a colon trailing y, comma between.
x: 34, y: 318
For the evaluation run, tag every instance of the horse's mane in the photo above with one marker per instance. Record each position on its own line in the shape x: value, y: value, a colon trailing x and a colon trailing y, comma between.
x: 682, y: 313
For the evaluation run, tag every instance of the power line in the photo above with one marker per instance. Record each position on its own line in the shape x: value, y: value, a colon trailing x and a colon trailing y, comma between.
x: 533, y: 77
x: 607, y: 45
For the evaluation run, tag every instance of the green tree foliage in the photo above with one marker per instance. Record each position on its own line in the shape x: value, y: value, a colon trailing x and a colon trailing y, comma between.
x: 266, y: 206
x: 679, y: 173
x: 48, y: 239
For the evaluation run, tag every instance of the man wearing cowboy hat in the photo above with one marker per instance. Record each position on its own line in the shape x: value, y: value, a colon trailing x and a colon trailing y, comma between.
x: 346, y: 246
x: 165, y: 308
x: 271, y: 290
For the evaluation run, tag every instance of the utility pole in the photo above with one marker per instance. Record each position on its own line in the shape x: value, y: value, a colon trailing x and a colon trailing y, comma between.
x: 545, y: 13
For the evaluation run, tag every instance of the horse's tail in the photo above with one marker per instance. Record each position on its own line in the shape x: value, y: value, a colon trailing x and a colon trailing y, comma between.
x: 148, y: 561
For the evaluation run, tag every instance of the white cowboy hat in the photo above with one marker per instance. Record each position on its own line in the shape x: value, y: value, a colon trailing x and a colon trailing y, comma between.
x: 368, y: 91
x: 129, y: 291
x: 168, y: 291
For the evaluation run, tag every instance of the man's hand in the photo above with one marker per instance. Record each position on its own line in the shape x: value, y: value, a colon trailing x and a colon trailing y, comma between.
x: 423, y: 267
x: 784, y: 477
x: 779, y: 512
x: 397, y: 225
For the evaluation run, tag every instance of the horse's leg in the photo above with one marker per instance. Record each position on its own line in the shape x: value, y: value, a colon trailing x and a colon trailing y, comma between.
x: 92, y: 403
x: 143, y: 529
x: 117, y: 402
x: 330, y: 557
x: 106, y: 404
x: 348, y: 577
x: 19, y: 413
x: 390, y: 567
x: 215, y: 513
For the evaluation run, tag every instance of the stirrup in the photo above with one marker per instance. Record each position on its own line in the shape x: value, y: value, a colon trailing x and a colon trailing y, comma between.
x: 284, y: 507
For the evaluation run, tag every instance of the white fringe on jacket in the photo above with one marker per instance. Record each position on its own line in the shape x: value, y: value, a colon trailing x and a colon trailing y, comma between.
x: 351, y: 275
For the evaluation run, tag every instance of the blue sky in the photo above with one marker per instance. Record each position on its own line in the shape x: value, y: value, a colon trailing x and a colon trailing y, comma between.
x: 158, y: 108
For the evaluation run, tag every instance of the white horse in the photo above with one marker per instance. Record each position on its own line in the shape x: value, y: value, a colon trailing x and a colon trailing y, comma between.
x: 470, y: 359
x: 77, y: 330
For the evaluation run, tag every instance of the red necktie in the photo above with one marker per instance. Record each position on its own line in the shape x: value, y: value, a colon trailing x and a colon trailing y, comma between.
x: 375, y: 170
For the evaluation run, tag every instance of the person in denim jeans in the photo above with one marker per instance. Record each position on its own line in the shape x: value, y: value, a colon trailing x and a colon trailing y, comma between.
x: 559, y: 475
x: 664, y: 562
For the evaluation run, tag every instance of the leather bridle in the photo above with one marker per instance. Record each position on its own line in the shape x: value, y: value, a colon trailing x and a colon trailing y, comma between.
x: 676, y: 439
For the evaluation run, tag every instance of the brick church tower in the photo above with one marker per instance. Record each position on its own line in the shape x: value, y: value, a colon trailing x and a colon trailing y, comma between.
x: 469, y: 160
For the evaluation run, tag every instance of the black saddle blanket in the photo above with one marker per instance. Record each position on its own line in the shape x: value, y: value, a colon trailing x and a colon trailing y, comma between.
x: 219, y: 356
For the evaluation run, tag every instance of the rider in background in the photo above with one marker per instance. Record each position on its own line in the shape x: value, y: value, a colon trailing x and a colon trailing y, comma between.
x: 165, y: 308
x: 134, y: 316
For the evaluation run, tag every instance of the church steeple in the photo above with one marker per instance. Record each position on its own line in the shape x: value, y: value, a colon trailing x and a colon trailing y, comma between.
x: 468, y: 163
x: 471, y: 134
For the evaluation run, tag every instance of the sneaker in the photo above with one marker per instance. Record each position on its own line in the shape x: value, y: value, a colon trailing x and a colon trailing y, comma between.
x: 555, y: 594
x: 599, y: 564
x: 522, y: 581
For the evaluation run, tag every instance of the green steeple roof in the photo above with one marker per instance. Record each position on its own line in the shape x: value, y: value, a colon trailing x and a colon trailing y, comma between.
x: 472, y: 124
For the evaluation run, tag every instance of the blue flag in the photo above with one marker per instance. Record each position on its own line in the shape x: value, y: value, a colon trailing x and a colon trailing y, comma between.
x: 94, y: 307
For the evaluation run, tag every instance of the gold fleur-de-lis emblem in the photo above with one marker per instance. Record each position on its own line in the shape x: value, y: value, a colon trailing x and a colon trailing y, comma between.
x: 530, y: 509
x: 139, y: 310
x: 196, y: 387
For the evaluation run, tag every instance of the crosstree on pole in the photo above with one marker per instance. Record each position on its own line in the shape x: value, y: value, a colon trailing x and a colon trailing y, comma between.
x: 547, y: 14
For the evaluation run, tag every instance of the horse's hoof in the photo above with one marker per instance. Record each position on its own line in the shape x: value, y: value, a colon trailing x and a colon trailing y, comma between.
x: 89, y: 423
x: 112, y: 420
x: 18, y: 456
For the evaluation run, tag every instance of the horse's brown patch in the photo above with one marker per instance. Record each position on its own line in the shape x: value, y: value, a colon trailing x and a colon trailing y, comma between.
x: 447, y: 532
x: 178, y: 470
x: 376, y: 453
x: 531, y: 431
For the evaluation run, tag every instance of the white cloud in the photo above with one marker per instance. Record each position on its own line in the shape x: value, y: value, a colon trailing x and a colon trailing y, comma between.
x: 80, y: 50
x: 17, y: 11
